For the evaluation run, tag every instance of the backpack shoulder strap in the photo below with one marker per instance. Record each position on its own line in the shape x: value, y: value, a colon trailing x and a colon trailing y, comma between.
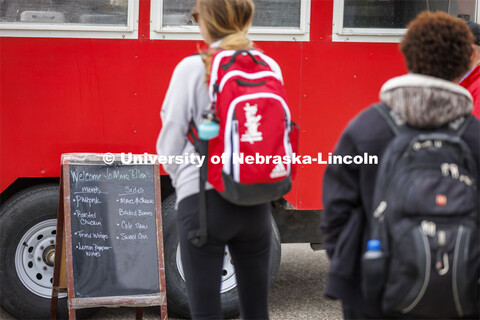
x: 192, y: 135
x: 395, y: 123
x: 460, y: 125
x: 198, y: 237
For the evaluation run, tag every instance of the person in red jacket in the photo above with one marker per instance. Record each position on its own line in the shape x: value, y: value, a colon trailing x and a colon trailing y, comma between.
x: 472, y: 80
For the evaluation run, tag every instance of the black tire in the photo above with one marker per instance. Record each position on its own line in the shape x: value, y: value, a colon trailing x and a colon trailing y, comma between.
x: 30, y: 213
x: 176, y: 291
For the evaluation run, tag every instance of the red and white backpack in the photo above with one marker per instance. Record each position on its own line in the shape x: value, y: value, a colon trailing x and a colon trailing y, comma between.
x: 249, y: 162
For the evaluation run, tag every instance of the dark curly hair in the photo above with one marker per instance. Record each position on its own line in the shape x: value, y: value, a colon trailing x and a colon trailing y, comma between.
x: 438, y: 45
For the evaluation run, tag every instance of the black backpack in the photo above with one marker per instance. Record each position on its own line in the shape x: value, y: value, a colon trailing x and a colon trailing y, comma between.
x: 426, y: 217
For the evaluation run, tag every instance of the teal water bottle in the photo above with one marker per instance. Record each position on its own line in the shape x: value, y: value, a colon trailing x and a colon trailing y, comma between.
x: 209, y: 127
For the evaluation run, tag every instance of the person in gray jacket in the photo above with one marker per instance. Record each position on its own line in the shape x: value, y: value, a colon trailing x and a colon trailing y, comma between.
x: 245, y: 229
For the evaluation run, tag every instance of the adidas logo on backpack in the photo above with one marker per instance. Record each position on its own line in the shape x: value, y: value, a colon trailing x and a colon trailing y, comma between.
x: 279, y: 171
x: 426, y: 219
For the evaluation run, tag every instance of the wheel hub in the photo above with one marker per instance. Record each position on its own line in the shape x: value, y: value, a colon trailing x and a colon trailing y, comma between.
x: 229, y: 281
x: 35, y: 257
x: 49, y: 256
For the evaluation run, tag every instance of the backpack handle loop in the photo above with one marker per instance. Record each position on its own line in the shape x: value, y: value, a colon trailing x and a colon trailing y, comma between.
x: 234, y: 56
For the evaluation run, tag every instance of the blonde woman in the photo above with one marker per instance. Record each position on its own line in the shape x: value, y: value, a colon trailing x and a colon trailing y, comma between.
x: 245, y: 229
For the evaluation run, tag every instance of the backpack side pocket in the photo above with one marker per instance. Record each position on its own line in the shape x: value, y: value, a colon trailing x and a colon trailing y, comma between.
x: 409, y: 272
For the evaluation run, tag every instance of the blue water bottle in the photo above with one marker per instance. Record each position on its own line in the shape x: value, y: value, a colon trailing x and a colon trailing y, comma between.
x: 373, y: 249
x: 374, y: 263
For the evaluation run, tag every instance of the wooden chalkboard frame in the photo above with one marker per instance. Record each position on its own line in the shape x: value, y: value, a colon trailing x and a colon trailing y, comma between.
x: 64, y: 240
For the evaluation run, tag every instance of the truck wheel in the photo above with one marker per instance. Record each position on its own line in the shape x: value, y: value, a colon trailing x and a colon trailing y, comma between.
x: 27, y: 250
x: 175, y: 280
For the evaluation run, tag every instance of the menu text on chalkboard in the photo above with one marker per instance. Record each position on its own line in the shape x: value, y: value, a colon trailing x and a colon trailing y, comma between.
x: 113, y: 230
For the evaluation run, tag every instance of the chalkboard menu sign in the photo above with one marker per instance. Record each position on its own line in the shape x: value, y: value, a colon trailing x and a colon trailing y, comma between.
x: 112, y: 219
x: 113, y: 235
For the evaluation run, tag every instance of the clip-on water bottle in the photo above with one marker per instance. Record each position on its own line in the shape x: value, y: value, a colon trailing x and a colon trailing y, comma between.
x: 207, y: 129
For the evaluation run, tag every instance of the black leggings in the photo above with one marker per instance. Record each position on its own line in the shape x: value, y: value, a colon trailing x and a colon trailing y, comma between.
x: 247, y: 231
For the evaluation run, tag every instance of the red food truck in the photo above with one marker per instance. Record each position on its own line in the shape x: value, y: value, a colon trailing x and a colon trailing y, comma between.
x: 90, y: 76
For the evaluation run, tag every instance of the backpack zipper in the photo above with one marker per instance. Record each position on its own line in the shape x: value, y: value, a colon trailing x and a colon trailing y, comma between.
x: 236, y: 150
x: 456, y: 296
x: 426, y: 280
x: 245, y: 76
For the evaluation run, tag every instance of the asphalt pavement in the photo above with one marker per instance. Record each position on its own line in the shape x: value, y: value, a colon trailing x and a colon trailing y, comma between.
x: 296, y: 292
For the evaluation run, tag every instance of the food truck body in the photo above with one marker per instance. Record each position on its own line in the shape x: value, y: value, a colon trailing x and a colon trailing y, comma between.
x: 90, y: 76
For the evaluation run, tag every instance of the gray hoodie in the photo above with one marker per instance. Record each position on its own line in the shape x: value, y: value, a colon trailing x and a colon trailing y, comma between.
x: 186, y: 99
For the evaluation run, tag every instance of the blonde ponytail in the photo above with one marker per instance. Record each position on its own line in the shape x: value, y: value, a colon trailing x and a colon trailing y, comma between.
x: 236, y: 41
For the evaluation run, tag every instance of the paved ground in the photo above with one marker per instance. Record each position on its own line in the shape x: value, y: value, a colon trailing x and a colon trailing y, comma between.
x: 296, y: 292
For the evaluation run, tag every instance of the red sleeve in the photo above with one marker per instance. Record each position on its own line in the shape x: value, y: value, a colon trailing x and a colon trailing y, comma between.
x: 472, y: 84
